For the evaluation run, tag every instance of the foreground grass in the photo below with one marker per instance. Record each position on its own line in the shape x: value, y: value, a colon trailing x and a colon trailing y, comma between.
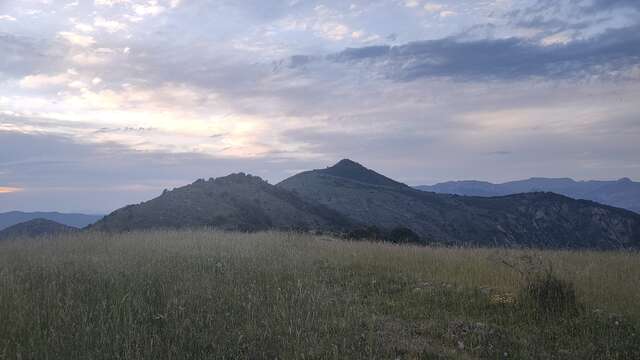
x: 198, y: 294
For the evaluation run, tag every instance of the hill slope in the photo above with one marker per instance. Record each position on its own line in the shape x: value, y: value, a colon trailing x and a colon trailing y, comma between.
x: 75, y: 220
x: 537, y: 219
x: 622, y: 193
x: 235, y: 202
x: 35, y: 227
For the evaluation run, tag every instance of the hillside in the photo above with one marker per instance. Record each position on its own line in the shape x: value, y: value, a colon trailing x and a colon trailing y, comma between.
x: 622, y: 193
x: 34, y: 228
x: 75, y: 220
x: 537, y: 219
x: 235, y: 202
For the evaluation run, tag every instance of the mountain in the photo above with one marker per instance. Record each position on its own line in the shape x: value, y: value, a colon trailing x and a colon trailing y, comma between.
x: 622, y: 193
x: 34, y: 228
x: 534, y: 219
x: 349, y: 198
x: 75, y: 220
x: 235, y: 202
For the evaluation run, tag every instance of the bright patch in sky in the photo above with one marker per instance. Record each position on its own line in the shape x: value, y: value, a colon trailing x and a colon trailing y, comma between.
x: 6, y: 189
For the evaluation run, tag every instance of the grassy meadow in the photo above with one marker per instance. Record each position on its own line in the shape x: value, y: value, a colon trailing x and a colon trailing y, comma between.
x: 215, y: 295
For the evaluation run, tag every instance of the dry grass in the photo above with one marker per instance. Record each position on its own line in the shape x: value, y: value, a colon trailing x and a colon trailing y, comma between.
x: 204, y: 294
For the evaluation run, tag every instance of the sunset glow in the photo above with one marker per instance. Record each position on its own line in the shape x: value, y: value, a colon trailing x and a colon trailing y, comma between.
x: 6, y: 189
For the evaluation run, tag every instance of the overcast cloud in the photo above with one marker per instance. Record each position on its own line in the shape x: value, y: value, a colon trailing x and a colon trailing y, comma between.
x: 105, y: 102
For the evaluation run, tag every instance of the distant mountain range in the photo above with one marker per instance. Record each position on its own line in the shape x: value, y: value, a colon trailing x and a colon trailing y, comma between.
x: 622, y: 193
x: 34, y: 228
x: 347, y: 197
x: 75, y: 220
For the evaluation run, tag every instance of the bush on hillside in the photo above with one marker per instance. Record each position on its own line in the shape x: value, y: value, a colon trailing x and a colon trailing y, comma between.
x: 403, y: 235
x: 397, y: 235
x: 366, y: 233
x: 549, y: 295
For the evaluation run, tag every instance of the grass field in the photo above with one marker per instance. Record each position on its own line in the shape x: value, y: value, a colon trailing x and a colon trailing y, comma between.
x: 205, y: 294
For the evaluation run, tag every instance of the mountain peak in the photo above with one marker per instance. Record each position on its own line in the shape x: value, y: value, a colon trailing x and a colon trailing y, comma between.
x: 348, y: 164
x: 352, y: 170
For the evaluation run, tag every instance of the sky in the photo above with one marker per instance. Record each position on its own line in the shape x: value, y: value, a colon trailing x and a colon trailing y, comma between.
x: 104, y: 103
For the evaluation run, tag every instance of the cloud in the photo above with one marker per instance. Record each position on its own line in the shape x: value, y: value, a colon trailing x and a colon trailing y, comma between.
x: 111, y: 26
x: 510, y: 58
x: 84, y: 27
x: 92, y: 58
x: 585, y: 18
x: 608, y: 5
x: 77, y: 39
x: 7, y: 18
x: 110, y: 2
x: 223, y: 86
x: 411, y: 3
x: 23, y: 55
x: 150, y: 8
x: 431, y: 7
x: 333, y: 31
x: 40, y: 81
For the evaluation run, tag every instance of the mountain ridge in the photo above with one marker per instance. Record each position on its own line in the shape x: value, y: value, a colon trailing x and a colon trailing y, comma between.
x: 347, y: 196
x: 34, y: 228
x: 623, y: 193
x: 532, y: 220
x: 233, y: 202
x: 70, y: 219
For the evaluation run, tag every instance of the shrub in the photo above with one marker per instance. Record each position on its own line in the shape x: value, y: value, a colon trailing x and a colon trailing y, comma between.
x: 549, y: 295
x: 366, y: 233
x: 403, y: 235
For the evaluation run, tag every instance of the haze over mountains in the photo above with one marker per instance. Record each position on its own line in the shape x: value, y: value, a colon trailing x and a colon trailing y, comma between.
x: 348, y: 196
x: 622, y: 193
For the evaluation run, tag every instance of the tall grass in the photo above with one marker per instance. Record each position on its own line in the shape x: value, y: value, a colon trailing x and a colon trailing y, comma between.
x: 206, y: 294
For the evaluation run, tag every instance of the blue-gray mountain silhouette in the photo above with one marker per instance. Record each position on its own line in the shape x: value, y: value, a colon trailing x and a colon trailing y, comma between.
x: 74, y: 220
x: 235, y: 202
x: 35, y: 228
x: 347, y: 197
x: 622, y: 193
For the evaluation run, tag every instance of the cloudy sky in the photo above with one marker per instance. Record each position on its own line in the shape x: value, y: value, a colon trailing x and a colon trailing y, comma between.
x: 107, y: 102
